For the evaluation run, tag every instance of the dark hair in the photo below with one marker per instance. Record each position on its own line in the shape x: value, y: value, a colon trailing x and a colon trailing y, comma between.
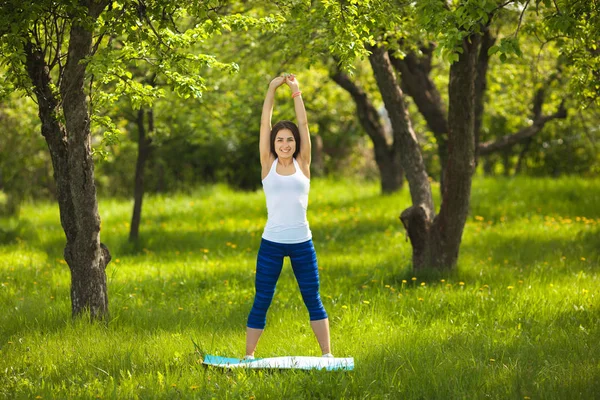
x: 285, y: 125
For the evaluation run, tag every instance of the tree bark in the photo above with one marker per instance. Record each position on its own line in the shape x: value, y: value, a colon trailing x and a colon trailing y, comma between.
x: 318, y: 159
x: 447, y: 228
x: 522, y: 154
x: 405, y: 139
x: 418, y: 218
x: 144, y: 149
x: 387, y: 157
x: 70, y: 150
x: 417, y: 83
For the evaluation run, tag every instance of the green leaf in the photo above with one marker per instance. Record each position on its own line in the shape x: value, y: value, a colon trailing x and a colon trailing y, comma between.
x: 493, y: 50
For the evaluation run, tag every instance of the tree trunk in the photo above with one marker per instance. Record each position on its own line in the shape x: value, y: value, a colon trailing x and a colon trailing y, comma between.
x: 144, y: 149
x: 405, y: 139
x: 392, y: 173
x: 70, y: 150
x: 506, y: 153
x: 317, y: 160
x: 447, y: 229
x: 387, y: 157
x: 435, y: 239
x: 522, y: 154
x: 417, y: 83
x: 488, y: 166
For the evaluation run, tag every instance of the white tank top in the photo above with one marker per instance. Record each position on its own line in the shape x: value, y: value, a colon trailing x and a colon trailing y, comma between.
x: 287, y: 201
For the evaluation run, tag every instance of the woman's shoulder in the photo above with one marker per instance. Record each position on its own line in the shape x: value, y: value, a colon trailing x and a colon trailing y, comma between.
x: 302, y: 166
x: 267, y: 165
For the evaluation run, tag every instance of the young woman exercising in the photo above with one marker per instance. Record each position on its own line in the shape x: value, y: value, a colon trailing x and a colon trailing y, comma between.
x: 285, y: 160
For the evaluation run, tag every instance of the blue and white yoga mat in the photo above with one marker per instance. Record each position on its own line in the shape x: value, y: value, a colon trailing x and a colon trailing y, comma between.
x: 289, y: 362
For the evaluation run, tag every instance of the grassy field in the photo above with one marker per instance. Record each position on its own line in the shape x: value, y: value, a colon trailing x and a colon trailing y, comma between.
x: 519, y: 318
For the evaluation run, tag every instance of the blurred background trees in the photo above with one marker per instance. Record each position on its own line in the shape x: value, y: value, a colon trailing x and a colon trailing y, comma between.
x: 214, y: 138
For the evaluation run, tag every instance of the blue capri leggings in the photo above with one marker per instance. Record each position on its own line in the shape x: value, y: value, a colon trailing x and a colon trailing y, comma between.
x: 268, y: 267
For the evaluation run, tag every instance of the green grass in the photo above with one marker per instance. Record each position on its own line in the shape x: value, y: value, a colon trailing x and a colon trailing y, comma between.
x: 519, y: 318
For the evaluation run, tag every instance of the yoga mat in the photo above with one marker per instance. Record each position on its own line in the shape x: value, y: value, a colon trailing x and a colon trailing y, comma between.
x: 288, y: 362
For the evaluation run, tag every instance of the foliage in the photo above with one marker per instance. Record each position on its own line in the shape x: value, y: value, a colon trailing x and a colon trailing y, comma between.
x: 575, y: 27
x: 25, y: 167
x: 208, y: 139
x: 203, y: 66
x: 565, y: 148
x: 517, y: 319
x: 157, y: 36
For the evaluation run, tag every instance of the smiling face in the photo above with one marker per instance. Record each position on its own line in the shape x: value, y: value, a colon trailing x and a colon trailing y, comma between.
x: 285, y: 144
x: 285, y: 139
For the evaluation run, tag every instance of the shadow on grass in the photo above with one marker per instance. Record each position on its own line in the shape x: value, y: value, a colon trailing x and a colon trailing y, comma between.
x: 166, y: 243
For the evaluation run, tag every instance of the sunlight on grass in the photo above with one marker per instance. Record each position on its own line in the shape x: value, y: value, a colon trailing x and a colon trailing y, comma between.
x: 518, y: 318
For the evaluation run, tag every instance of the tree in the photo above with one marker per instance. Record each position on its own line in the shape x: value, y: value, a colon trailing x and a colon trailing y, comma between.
x: 58, y: 52
x: 144, y: 148
x: 435, y: 238
x: 387, y: 155
x: 368, y: 28
x: 574, y: 26
x: 461, y: 33
x: 414, y: 66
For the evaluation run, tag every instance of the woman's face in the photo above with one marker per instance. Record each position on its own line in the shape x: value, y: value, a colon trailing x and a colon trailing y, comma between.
x: 285, y: 144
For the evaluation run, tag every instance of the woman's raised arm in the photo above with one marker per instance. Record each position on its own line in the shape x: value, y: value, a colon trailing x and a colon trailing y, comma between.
x: 266, y: 157
x: 304, y: 156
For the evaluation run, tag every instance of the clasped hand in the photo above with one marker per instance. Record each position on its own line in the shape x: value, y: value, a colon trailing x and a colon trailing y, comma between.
x: 289, y: 79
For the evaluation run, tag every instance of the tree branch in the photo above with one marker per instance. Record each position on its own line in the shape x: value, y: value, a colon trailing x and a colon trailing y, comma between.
x: 367, y: 113
x: 521, y: 18
x: 47, y: 40
x: 556, y: 6
x: 144, y: 15
x: 507, y: 141
x: 59, y: 38
x: 417, y: 83
x: 502, y: 6
x: 404, y: 135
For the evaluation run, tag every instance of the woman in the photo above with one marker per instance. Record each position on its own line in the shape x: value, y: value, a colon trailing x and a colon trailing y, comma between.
x: 285, y: 160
